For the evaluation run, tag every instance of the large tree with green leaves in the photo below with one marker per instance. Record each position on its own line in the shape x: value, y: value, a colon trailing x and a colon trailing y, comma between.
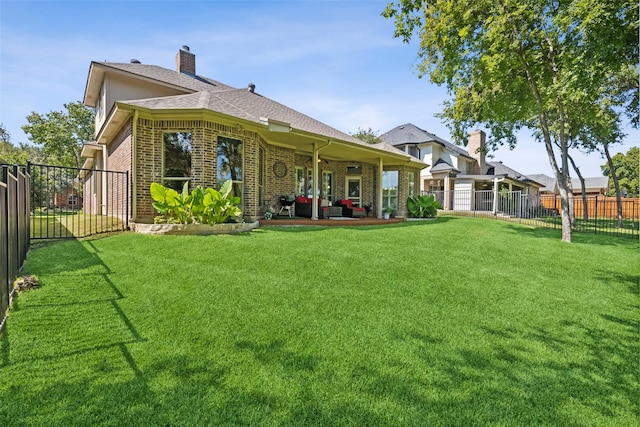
x: 15, y: 155
x: 368, y: 135
x: 626, y: 167
x: 543, y: 65
x: 62, y: 133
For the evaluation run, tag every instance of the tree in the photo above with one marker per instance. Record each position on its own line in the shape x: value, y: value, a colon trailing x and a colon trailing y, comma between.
x: 626, y: 167
x: 542, y: 65
x: 62, y: 133
x: 370, y: 136
x: 12, y: 155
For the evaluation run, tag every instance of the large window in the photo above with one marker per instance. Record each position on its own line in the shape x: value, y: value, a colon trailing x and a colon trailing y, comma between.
x: 300, y: 188
x: 390, y: 189
x: 327, y: 185
x: 411, y: 183
x: 309, y: 182
x: 177, y: 159
x: 230, y: 163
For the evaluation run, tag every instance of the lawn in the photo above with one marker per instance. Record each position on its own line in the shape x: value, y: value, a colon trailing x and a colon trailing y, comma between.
x: 458, y: 321
x: 69, y: 224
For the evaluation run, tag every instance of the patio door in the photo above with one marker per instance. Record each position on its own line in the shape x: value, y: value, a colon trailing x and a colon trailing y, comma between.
x: 352, y: 189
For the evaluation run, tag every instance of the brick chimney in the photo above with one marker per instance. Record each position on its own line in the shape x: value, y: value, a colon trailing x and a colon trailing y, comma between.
x: 186, y: 61
x: 477, y: 149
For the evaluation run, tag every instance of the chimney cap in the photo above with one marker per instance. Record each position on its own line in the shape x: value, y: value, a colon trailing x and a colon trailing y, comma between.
x: 185, y: 48
x: 135, y: 61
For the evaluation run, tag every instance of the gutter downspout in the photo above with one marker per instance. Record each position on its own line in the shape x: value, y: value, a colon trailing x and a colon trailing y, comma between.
x: 134, y: 202
x: 316, y: 182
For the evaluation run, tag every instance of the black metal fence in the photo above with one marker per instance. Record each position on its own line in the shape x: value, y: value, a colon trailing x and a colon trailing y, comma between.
x: 597, y: 214
x: 70, y: 202
x: 14, y: 230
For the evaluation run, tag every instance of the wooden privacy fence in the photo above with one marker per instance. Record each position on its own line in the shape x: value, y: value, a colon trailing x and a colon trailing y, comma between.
x: 14, y: 230
x: 602, y: 207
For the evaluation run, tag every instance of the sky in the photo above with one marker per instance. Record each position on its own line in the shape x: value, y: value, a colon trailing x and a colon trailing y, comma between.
x: 336, y: 61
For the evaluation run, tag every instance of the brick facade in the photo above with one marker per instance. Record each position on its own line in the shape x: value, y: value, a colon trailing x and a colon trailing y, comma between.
x: 149, y: 165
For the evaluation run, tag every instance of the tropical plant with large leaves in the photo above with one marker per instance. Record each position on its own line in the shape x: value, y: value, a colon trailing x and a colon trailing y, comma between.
x: 425, y: 206
x: 200, y: 206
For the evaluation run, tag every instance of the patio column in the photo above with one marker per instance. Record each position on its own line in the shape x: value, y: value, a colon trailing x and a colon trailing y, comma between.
x: 314, y: 187
x: 495, y: 196
x: 379, y: 190
x: 447, y: 193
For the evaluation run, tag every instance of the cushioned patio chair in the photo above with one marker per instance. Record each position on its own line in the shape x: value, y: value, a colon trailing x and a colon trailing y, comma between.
x: 351, y: 211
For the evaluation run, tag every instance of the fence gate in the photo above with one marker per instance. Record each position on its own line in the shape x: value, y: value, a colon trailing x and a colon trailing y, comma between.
x: 74, y: 202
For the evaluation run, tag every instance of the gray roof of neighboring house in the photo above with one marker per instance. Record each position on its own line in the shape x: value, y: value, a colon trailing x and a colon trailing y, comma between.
x: 500, y: 168
x: 412, y: 134
x: 589, y: 182
x: 592, y: 182
x: 548, y: 183
x: 443, y: 166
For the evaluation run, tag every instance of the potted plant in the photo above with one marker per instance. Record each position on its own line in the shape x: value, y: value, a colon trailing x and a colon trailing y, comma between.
x: 268, y: 213
x: 387, y: 212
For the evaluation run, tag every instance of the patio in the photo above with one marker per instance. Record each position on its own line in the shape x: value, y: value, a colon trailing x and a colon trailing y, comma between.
x: 284, y: 221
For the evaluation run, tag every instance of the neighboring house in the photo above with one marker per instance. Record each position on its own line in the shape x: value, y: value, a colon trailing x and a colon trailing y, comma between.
x: 174, y: 127
x: 598, y: 185
x: 463, y: 179
x: 69, y: 198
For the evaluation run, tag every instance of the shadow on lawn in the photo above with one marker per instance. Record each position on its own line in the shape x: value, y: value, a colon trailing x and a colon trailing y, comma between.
x: 576, y: 236
x: 520, y: 376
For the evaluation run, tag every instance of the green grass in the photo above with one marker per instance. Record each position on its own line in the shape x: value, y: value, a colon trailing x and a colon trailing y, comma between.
x: 68, y: 224
x: 458, y: 321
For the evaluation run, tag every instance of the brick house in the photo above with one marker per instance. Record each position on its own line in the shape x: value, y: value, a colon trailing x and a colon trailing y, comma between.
x: 175, y: 126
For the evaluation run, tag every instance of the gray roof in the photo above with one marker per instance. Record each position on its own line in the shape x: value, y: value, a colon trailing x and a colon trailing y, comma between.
x: 246, y: 105
x: 599, y: 182
x: 548, y: 183
x: 500, y: 168
x: 443, y: 166
x: 164, y: 75
x: 241, y: 103
x: 412, y: 134
x: 591, y: 182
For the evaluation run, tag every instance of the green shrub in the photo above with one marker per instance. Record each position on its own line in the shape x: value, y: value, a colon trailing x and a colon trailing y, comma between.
x: 201, y: 206
x: 425, y: 206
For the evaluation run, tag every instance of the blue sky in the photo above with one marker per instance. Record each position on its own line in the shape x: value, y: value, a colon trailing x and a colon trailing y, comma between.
x: 336, y: 61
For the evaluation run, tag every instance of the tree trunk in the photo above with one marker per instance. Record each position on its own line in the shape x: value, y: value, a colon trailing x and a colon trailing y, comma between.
x: 616, y: 185
x: 585, y: 208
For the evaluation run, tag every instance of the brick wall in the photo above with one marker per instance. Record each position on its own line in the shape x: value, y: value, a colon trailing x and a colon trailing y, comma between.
x: 114, y: 201
x: 204, y: 137
x: 204, y: 140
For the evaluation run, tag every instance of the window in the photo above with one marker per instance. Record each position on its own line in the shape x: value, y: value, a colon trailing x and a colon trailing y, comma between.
x: 309, y: 182
x: 177, y: 159
x: 300, y: 181
x: 413, y: 150
x: 411, y: 183
x: 231, y: 163
x: 327, y: 185
x: 72, y: 200
x: 390, y: 189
